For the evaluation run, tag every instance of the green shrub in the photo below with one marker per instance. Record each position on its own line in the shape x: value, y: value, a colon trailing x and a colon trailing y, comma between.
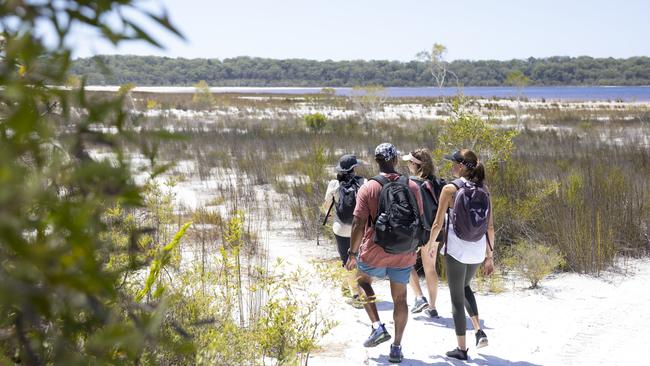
x: 534, y: 261
x: 202, y: 98
x: 316, y: 122
x: 125, y: 89
x: 492, y: 283
x: 466, y: 129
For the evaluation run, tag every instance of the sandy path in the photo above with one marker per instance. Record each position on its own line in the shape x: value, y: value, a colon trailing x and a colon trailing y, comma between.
x: 571, y: 320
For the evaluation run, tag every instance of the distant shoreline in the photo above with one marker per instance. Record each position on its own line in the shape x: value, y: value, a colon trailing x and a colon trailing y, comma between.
x: 256, y: 71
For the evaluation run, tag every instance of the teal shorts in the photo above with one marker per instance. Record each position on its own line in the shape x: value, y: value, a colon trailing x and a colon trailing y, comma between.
x: 399, y: 275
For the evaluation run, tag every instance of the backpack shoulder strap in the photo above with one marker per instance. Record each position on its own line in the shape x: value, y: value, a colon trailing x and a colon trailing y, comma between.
x: 417, y: 180
x: 403, y: 180
x: 438, y: 184
x: 459, y: 183
x: 380, y: 179
x: 428, y: 186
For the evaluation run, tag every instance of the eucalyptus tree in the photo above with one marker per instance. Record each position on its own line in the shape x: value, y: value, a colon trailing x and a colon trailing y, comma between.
x: 436, y: 64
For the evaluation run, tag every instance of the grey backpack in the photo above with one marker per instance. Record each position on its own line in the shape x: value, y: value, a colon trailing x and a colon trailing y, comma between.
x: 471, y: 212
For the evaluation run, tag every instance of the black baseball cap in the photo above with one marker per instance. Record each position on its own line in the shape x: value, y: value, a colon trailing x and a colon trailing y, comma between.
x: 455, y: 156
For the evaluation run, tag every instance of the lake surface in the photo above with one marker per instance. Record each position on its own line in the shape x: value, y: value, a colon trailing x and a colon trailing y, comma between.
x: 563, y: 93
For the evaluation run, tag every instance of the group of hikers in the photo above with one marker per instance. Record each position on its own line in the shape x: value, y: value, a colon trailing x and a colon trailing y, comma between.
x: 382, y: 224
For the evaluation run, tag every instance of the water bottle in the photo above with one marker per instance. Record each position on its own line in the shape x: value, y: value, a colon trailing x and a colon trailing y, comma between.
x: 382, y: 220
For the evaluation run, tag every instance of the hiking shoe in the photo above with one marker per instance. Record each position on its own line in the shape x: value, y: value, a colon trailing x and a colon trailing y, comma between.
x: 433, y: 313
x: 458, y: 354
x: 377, y: 336
x: 481, y: 339
x: 396, y: 355
x: 420, y: 304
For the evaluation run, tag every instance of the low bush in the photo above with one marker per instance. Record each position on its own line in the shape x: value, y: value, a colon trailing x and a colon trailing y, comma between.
x: 316, y: 122
x: 202, y: 98
x: 534, y: 261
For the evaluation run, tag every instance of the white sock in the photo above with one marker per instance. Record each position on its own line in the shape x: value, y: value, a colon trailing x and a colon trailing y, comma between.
x: 376, y: 325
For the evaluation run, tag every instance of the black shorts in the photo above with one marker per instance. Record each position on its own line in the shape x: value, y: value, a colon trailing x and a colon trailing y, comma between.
x: 343, y: 245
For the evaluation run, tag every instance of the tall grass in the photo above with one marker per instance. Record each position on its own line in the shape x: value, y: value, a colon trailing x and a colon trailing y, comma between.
x: 577, y: 186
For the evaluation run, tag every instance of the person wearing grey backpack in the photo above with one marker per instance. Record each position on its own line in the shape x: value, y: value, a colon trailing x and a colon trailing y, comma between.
x: 468, y: 237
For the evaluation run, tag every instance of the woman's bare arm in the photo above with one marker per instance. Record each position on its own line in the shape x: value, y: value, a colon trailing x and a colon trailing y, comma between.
x: 445, y: 202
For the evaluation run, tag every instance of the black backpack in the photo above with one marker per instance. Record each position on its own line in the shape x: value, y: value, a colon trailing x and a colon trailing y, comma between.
x: 398, y: 225
x: 430, y: 190
x: 347, y: 199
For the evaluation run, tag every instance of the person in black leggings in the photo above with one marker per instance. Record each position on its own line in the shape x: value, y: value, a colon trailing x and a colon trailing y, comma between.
x: 463, y: 258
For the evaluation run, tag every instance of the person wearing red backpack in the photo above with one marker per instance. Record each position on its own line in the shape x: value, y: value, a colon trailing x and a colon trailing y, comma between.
x: 421, y: 168
x: 386, y: 231
x: 468, y: 239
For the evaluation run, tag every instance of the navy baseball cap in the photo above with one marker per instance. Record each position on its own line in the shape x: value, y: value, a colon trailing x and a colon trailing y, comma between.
x: 346, y: 163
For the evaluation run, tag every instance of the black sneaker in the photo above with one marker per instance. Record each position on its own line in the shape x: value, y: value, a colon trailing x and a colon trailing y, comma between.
x: 433, y: 313
x: 458, y: 354
x: 377, y: 336
x: 396, y: 355
x: 420, y: 304
x: 481, y: 339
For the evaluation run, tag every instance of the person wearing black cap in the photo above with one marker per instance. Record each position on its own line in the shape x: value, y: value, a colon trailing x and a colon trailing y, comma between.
x: 341, y: 193
x: 463, y: 256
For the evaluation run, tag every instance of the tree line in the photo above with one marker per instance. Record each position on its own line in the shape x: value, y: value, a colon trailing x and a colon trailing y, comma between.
x: 253, y: 71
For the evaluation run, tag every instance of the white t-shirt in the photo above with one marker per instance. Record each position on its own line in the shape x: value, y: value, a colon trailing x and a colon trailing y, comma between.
x: 467, y: 252
x: 339, y: 228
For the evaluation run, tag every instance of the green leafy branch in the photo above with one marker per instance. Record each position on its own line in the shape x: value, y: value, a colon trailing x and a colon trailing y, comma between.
x: 162, y: 259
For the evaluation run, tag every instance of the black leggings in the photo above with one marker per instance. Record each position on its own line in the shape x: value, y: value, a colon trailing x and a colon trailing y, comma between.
x: 343, y: 244
x: 459, y: 276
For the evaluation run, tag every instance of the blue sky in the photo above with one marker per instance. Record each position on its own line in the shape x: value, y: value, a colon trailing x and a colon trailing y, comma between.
x: 397, y: 29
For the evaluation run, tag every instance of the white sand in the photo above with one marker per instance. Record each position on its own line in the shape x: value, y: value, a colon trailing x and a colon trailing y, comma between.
x: 571, y: 320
